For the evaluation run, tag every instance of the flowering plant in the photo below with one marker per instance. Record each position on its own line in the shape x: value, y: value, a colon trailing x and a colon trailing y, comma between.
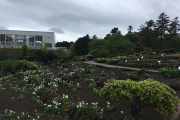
x: 109, y: 108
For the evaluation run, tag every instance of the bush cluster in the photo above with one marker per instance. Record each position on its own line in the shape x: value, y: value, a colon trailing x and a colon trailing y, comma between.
x: 141, y: 71
x: 167, y: 72
x: 12, y: 65
x: 97, y: 53
x: 112, y: 61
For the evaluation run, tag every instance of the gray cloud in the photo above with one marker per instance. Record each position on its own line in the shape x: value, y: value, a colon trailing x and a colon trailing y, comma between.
x: 57, y: 30
x: 79, y: 17
x: 3, y: 28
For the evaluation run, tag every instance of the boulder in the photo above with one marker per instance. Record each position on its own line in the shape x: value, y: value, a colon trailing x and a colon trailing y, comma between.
x: 25, y: 67
x: 48, y: 81
x: 144, y: 76
x: 68, y: 108
x: 4, y: 74
x: 17, y: 75
x: 123, y: 76
x: 174, y: 84
x: 54, y: 99
x: 33, y: 68
x: 86, y: 114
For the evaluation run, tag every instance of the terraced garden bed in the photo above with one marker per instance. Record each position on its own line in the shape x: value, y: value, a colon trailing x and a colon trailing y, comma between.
x: 20, y: 96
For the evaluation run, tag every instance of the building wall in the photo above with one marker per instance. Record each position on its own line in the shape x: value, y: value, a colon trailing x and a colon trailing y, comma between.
x: 48, y: 37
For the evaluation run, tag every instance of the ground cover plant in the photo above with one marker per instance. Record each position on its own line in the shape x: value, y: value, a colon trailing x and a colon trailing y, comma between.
x: 77, y: 82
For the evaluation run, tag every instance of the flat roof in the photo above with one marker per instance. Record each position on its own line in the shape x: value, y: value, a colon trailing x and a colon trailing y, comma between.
x: 21, y: 32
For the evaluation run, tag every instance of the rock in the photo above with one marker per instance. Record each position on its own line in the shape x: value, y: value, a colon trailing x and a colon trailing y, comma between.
x: 33, y: 68
x: 86, y: 114
x: 77, y: 75
x: 174, y: 84
x: 69, y: 108
x: 55, y: 99
x: 17, y: 75
x: 4, y: 74
x: 46, y: 94
x: 25, y: 67
x: 144, y: 76
x: 123, y: 76
x: 48, y: 81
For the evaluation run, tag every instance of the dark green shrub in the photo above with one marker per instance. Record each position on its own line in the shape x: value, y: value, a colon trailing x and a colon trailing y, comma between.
x: 131, y: 76
x: 12, y: 65
x: 141, y: 71
x: 97, y: 53
x: 112, y: 61
x: 151, y: 53
x: 89, y: 57
x: 167, y: 72
x: 136, y: 54
x: 100, y: 60
x: 143, y: 52
x: 24, y: 50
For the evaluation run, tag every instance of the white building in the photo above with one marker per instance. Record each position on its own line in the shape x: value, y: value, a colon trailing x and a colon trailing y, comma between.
x: 33, y: 39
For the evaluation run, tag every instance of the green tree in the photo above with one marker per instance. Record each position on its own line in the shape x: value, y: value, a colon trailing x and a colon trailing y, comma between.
x: 96, y: 44
x: 113, y: 32
x: 174, y: 27
x: 118, y: 44
x: 162, y: 26
x: 130, y: 28
x: 139, y: 48
x: 72, y: 51
x: 81, y: 45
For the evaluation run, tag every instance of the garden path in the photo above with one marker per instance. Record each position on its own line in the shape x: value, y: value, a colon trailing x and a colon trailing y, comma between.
x: 115, y: 66
x: 174, y: 117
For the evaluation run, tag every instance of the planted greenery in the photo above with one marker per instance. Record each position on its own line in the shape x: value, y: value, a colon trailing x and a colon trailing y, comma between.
x: 131, y: 76
x: 112, y: 61
x: 141, y: 71
x: 155, y: 95
x: 167, y: 72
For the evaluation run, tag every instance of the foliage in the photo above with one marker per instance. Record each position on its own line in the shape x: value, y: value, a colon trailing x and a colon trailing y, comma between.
x: 141, y: 71
x: 60, y: 52
x: 81, y: 45
x: 143, y: 52
x: 153, y: 93
x: 138, y: 48
x: 112, y: 61
x: 72, y: 51
x: 100, y: 60
x: 136, y: 54
x: 24, y: 50
x: 90, y: 57
x: 167, y: 72
x: 12, y: 65
x: 99, y: 53
x: 131, y: 76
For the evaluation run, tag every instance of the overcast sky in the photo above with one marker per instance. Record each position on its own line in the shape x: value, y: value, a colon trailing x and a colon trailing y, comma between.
x: 71, y: 19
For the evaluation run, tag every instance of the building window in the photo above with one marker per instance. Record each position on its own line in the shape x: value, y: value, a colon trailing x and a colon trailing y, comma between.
x: 31, y: 41
x: 49, y: 45
x: 20, y: 36
x: 20, y: 43
x: 8, y: 40
x: 38, y: 40
x: 2, y: 39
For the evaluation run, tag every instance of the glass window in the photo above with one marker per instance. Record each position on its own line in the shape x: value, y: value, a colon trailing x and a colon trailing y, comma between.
x: 50, y: 45
x: 20, y: 36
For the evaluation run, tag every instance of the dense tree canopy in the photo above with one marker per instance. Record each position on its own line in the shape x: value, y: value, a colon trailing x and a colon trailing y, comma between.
x: 152, y: 36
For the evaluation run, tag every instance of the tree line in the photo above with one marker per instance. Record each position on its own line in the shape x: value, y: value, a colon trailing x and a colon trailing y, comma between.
x: 151, y: 36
